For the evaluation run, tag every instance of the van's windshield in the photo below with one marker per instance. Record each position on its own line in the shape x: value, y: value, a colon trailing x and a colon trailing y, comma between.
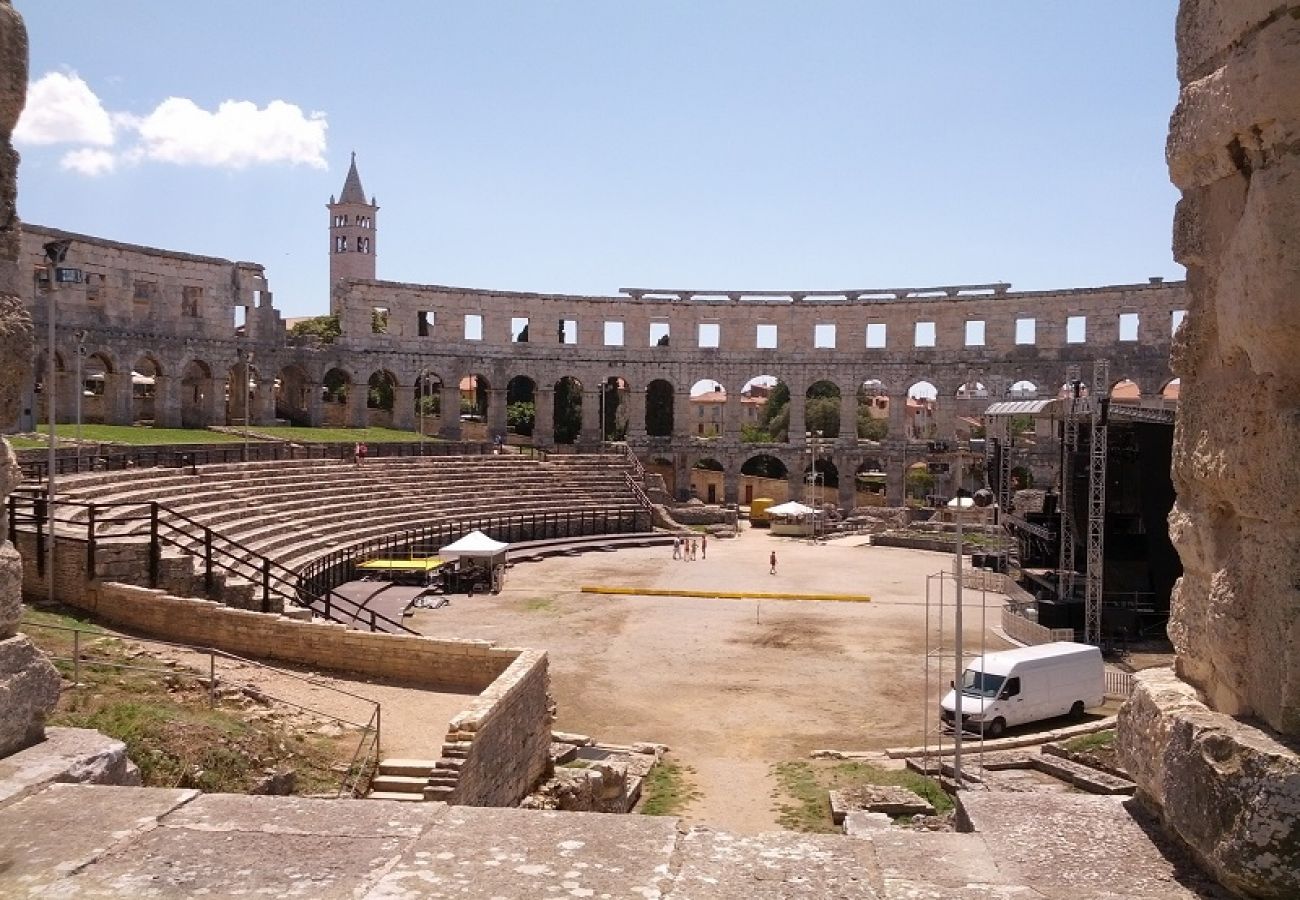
x: 981, y: 684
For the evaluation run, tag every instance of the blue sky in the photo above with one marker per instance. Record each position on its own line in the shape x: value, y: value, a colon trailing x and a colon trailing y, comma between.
x: 587, y: 146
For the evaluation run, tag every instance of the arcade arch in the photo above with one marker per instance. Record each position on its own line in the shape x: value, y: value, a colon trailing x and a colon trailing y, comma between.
x: 659, y: 396
x: 567, y: 410
x: 292, y: 399
x: 873, y: 410
x: 769, y: 398
x: 822, y: 409
x: 198, y: 395
x: 521, y: 405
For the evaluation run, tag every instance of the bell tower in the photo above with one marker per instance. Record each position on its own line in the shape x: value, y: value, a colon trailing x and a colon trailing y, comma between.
x: 352, y: 230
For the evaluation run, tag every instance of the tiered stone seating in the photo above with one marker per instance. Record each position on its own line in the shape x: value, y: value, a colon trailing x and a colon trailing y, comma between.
x: 293, y: 511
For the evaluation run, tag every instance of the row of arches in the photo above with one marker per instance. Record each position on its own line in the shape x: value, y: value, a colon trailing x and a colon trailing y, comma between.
x: 193, y: 392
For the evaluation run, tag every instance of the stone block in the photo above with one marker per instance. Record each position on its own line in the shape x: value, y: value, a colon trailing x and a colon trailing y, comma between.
x: 1228, y: 789
x: 29, y: 689
x: 1208, y: 29
x: 66, y: 755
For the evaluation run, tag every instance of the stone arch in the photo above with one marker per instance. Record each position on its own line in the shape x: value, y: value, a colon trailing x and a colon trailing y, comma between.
x: 708, y: 479
x: 708, y: 408
x: 98, y: 387
x: 199, y: 396
x: 1171, y: 390
x: 918, y: 483
x: 870, y: 481
x: 873, y: 410
x: 660, y: 397
x: 765, y: 410
x: 147, y: 403
x: 822, y: 408
x: 614, y: 393
x: 1125, y: 390
x: 567, y: 410
x: 920, y: 420
x: 292, y: 402
x: 663, y: 467
x: 381, y: 390
x: 337, y: 388
x: 521, y: 405
x: 764, y: 475
x: 821, y: 481
x: 1023, y: 389
x: 475, y: 406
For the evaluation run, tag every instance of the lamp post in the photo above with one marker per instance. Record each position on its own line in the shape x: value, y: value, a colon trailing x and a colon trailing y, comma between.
x: 813, y: 441
x: 959, y: 505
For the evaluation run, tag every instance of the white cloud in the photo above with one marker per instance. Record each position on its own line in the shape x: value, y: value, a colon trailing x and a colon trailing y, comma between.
x: 62, y: 109
x: 90, y: 161
x: 236, y: 136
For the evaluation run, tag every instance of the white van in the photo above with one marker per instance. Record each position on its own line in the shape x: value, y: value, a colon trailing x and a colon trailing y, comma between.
x: 1012, y: 687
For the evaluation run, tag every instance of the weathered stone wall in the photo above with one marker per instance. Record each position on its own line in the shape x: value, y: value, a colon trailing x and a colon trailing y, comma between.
x: 1234, y: 150
x: 29, y: 685
x: 502, y: 741
x: 417, y: 661
x: 1213, y: 747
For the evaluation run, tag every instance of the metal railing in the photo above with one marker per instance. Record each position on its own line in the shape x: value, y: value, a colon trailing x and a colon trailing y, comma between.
x: 159, y: 525
x: 364, y: 758
x: 325, y: 573
x: 172, y: 457
x: 1119, y: 685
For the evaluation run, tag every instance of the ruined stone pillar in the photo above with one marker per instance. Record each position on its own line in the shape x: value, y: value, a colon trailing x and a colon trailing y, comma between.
x: 898, y: 417
x: 731, y: 417
x: 358, y: 415
x: 796, y: 486
x: 119, y: 399
x: 167, y: 402
x: 895, y: 480
x: 315, y: 404
x: 404, y: 407
x: 264, y: 402
x: 29, y: 685
x: 636, y: 415
x: 731, y: 482
x: 848, y: 418
x: 848, y: 492
x: 798, y: 402
x: 449, y: 411
x: 683, y: 424
x: 591, y: 429
x: 496, y: 412
x: 544, y: 416
x: 1212, y: 744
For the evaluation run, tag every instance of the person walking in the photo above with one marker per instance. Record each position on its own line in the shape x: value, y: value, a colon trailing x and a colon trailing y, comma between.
x: 704, y: 546
x: 677, y: 548
x: 693, y: 545
x: 771, y: 564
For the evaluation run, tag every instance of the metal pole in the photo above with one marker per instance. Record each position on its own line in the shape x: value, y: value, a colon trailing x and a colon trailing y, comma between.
x: 419, y: 401
x: 957, y: 654
x: 81, y: 352
x: 55, y: 251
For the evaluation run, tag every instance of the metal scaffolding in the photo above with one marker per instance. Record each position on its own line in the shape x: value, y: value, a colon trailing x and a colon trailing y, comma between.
x: 1098, y: 405
x: 1069, y: 446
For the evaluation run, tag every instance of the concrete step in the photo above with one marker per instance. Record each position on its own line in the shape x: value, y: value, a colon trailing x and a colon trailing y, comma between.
x: 412, y: 767
x: 403, y: 784
x: 1086, y: 778
x: 397, y: 795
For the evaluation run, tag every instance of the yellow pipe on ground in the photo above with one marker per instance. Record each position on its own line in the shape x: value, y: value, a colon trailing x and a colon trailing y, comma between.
x: 724, y: 595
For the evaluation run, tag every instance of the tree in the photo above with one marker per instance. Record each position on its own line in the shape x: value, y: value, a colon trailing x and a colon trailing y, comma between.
x: 336, y: 386
x: 615, y: 428
x: 325, y: 329
x: 823, y: 414
x: 919, y: 483
x: 871, y: 428
x: 754, y: 434
x: 380, y: 392
x: 521, y: 417
x: 429, y: 404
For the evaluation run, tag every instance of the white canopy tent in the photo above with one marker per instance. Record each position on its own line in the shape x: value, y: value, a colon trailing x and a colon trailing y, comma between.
x: 475, y: 545
x: 789, y: 509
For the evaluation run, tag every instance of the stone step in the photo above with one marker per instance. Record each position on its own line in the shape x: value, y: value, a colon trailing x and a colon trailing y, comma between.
x: 400, y: 766
x: 397, y: 795
x: 1086, y: 778
x: 404, y: 784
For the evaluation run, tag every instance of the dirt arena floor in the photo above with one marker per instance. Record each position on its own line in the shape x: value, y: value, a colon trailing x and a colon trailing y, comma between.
x: 732, y: 686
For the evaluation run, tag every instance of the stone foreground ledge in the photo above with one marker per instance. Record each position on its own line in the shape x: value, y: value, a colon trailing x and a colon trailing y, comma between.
x: 1228, y: 789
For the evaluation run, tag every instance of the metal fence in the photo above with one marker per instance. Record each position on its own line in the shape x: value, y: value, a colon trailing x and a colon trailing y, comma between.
x: 1119, y: 685
x: 365, y: 758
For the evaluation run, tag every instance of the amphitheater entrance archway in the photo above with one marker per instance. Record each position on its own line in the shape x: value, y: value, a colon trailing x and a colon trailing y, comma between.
x: 475, y: 406
x: 659, y: 397
x: 521, y: 405
x: 873, y: 410
x: 568, y: 410
x: 821, y: 481
x: 291, y: 401
x: 822, y: 408
x: 764, y: 475
x: 381, y: 396
x: 198, y: 395
x: 145, y: 402
x: 244, y: 387
x: 765, y: 401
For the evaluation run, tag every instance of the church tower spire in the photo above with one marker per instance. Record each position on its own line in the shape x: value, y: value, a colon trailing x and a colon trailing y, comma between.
x: 352, y: 230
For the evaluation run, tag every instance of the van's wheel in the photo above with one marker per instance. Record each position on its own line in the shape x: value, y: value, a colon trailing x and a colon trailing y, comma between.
x: 996, y: 728
x: 1076, y: 711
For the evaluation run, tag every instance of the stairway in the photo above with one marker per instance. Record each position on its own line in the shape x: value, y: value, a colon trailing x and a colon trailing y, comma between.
x: 401, y: 779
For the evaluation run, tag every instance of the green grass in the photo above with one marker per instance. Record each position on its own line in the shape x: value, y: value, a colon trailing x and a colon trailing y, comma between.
x: 802, y: 789
x: 539, y: 604
x: 1098, y: 740
x: 668, y: 789
x: 339, y: 435
x: 138, y: 434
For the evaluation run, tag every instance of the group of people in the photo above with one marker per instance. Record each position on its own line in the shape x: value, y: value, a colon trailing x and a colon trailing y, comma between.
x: 686, y: 547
